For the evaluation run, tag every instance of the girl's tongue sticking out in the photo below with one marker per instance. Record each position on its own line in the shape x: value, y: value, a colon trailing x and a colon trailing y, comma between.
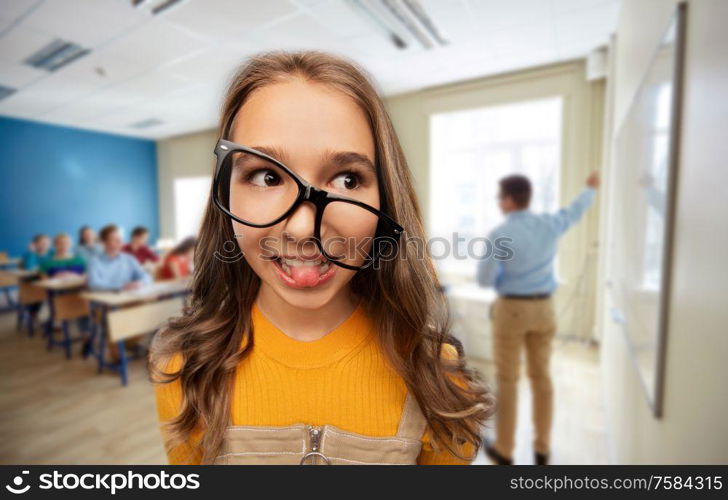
x: 305, y: 273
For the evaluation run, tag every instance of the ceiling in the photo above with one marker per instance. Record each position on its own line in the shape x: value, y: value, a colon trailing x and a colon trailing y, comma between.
x: 170, y: 69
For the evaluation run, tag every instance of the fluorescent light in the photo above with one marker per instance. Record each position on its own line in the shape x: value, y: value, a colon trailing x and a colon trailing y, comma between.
x: 395, y: 8
x: 419, y: 12
x: 56, y: 55
x: 149, y: 122
x: 6, y: 92
x: 378, y: 23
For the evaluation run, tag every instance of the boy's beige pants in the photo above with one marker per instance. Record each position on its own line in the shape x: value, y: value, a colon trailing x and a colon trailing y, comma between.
x: 518, y: 325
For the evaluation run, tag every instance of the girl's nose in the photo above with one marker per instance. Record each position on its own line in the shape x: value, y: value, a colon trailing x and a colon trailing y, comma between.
x: 300, y: 224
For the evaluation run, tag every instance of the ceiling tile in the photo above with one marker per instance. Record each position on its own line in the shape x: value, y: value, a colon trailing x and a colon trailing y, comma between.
x: 155, y: 43
x: 338, y: 17
x: 19, y: 43
x: 45, y: 95
x: 498, y: 13
x: 561, y: 6
x: 105, y: 67
x: 533, y: 38
x: 224, y: 19
x: 296, y: 33
x: 86, y: 22
x: 591, y: 26
x: 210, y: 64
x: 18, y: 75
x: 13, y: 9
x: 150, y: 85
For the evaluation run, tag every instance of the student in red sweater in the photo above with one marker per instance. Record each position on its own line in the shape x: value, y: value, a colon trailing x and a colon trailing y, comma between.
x: 178, y: 262
x: 137, y: 246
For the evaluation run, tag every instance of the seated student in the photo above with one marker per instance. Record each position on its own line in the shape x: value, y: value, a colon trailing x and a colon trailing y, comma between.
x: 137, y: 246
x: 114, y: 269
x: 63, y: 262
x: 87, y: 247
x: 38, y: 250
x: 178, y: 262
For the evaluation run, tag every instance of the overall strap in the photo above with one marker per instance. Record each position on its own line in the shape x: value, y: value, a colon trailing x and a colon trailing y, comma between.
x: 413, y: 423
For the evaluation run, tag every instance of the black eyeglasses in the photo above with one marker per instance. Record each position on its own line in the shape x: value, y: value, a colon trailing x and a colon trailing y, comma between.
x: 266, y: 192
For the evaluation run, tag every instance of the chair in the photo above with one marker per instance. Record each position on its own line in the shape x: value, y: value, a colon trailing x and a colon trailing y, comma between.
x: 68, y: 307
x: 30, y: 297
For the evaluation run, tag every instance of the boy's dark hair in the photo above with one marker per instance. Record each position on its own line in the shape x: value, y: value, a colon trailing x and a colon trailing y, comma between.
x: 518, y: 188
x: 107, y: 230
x: 139, y: 231
x: 38, y: 237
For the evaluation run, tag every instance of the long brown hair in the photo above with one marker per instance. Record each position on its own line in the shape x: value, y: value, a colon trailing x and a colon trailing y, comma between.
x: 403, y: 297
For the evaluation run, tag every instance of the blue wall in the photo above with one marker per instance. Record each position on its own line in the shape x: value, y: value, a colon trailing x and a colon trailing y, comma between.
x: 55, y: 179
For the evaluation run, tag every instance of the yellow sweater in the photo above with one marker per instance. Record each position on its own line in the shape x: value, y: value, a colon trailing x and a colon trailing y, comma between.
x: 341, y: 379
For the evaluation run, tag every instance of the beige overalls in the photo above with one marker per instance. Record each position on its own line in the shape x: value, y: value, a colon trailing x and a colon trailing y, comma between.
x: 324, y: 445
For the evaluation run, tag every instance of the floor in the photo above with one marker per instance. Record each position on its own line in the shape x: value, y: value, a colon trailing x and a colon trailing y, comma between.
x: 58, y: 411
x: 578, y: 434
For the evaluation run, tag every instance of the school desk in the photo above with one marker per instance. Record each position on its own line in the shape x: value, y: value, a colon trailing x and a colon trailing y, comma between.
x: 119, y: 316
x: 8, y: 262
x: 29, y: 296
x: 9, y: 281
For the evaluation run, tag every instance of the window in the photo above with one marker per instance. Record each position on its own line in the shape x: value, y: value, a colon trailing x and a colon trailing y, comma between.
x: 470, y: 151
x: 190, y: 199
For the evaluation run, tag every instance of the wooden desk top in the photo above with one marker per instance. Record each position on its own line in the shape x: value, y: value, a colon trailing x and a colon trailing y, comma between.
x: 65, y: 283
x: 20, y: 273
x: 145, y: 293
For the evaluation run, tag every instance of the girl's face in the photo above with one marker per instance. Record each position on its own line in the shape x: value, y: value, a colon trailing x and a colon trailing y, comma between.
x: 322, y: 135
x: 89, y: 236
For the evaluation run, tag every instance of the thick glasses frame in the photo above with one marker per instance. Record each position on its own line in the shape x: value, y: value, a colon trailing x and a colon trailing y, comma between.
x: 387, y: 228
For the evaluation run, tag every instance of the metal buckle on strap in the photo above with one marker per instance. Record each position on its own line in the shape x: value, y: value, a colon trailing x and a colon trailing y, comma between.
x: 314, y: 454
x: 314, y: 434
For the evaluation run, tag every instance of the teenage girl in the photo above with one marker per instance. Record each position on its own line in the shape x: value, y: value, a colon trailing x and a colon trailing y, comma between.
x: 317, y: 332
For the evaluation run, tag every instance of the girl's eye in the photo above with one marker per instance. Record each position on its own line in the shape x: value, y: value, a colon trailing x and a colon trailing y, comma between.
x: 346, y: 181
x: 264, y: 178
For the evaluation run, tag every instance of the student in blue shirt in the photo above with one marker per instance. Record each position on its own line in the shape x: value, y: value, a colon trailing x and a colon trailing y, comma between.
x: 114, y: 269
x: 523, y: 314
x: 39, y: 249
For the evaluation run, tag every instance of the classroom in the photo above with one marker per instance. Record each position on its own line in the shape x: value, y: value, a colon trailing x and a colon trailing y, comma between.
x: 533, y: 184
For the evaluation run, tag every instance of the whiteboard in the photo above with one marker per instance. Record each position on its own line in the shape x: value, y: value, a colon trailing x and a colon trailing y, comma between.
x: 646, y: 153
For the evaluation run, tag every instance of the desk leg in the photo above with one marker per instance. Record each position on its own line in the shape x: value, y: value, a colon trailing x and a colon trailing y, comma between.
x: 21, y: 316
x: 101, y: 332
x: 52, y: 316
x: 31, y: 318
x: 122, y: 362
x: 66, y: 339
x: 90, y: 333
x: 10, y: 302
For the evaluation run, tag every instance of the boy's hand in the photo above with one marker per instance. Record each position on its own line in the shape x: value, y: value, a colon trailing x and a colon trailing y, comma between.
x: 593, y: 180
x: 132, y: 285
